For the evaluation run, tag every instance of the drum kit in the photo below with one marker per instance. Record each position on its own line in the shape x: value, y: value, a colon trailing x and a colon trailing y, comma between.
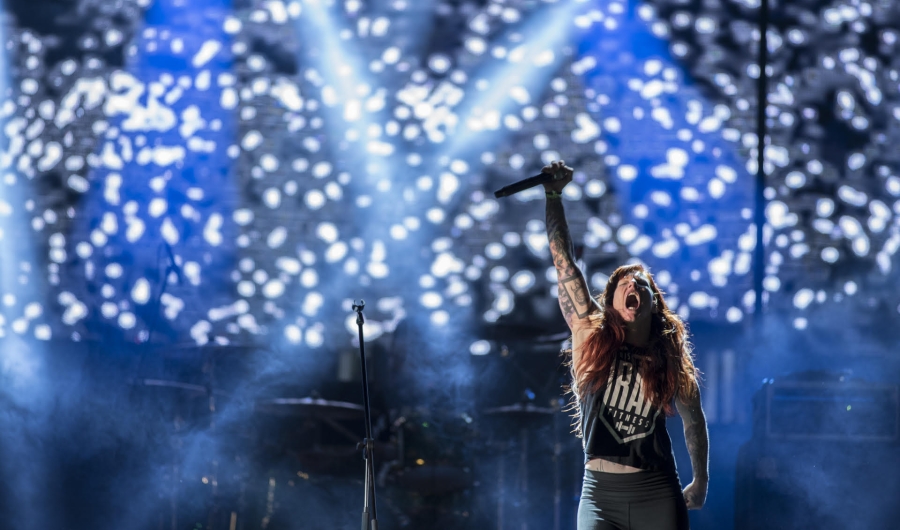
x: 292, y: 462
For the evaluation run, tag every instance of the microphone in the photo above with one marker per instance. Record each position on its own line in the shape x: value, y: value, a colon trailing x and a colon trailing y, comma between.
x: 523, y: 185
x: 175, y: 266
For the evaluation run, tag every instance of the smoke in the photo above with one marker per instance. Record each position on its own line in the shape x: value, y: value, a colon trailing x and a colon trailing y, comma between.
x: 25, y: 418
x: 816, y: 482
x: 88, y: 439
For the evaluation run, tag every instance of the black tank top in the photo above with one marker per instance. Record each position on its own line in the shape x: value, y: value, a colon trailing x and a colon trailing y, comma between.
x: 620, y: 425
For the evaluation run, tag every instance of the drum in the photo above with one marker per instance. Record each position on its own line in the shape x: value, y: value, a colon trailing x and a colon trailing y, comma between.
x: 430, y: 484
x: 436, y: 451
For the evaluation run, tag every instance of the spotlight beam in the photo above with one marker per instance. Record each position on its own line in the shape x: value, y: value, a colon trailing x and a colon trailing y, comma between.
x: 527, y: 67
x: 24, y: 388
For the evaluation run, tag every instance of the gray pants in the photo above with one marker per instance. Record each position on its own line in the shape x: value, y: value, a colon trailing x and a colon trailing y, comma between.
x: 647, y: 500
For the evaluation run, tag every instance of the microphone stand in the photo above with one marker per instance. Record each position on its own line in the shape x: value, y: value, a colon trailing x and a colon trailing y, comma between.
x: 367, y: 445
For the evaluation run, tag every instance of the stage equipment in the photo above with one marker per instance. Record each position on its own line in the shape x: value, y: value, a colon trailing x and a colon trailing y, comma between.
x: 171, y: 411
x: 430, y: 482
x: 526, y: 418
x: 821, y: 442
x: 305, y: 452
x: 316, y: 433
x: 842, y: 410
x: 311, y: 407
x: 434, y: 450
x: 183, y: 400
x: 370, y: 513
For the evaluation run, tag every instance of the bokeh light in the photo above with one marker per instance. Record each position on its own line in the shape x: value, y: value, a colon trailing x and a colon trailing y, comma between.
x: 296, y: 154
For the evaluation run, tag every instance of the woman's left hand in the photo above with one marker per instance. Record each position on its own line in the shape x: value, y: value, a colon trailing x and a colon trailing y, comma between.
x: 695, y: 494
x: 562, y: 175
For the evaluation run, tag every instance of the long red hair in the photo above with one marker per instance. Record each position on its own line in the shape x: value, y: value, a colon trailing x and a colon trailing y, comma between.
x: 666, y: 364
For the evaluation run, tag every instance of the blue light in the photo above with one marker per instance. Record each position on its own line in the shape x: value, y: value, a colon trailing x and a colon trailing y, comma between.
x: 168, y: 129
x: 656, y: 170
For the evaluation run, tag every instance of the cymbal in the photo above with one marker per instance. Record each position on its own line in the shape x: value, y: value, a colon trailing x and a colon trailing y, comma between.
x: 190, y: 388
x: 312, y: 407
x: 520, y: 411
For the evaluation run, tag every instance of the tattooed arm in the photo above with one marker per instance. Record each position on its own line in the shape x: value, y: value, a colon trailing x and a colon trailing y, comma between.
x: 575, y: 299
x: 697, y: 439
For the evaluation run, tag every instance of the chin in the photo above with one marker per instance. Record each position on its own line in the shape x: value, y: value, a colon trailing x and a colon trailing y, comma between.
x: 628, y: 316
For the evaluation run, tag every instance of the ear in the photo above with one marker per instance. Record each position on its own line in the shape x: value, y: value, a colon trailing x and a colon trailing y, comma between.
x: 654, y: 308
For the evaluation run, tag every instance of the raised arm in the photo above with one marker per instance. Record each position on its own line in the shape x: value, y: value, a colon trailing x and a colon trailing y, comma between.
x: 575, y: 299
x: 697, y: 439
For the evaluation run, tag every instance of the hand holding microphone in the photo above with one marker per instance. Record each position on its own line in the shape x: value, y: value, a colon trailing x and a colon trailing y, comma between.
x: 562, y: 175
x: 553, y: 177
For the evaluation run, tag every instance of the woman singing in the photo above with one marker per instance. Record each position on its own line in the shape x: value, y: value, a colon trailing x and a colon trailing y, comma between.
x: 631, y: 360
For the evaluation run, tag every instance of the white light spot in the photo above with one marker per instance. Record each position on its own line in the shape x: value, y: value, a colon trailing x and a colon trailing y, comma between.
x: 803, y: 298
x: 480, y: 347
x: 627, y: 172
x: 273, y: 289
x: 322, y: 170
x: 309, y: 278
x: 43, y: 332
x: 336, y: 252
x: 314, y: 338
x: 169, y: 233
x: 127, y: 320
x: 377, y: 269
x: 398, y: 232
x: 293, y: 334
x: 114, y: 270
x: 211, y: 231
x: 312, y: 303
x: 140, y: 293
x: 522, y: 281
x: 246, y: 288
x: 627, y: 233
x: 207, y: 51
x: 495, y: 250
x: 277, y: 237
x: 431, y: 300
x: 499, y: 274
x: 315, y: 199
x: 158, y: 207
x: 272, y: 198
x: 440, y: 318
x: 327, y: 232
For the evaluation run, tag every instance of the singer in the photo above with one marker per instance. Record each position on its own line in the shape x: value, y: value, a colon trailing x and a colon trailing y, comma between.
x: 630, y: 359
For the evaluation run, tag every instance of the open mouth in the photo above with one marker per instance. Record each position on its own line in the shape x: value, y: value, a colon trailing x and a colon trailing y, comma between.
x: 632, y: 301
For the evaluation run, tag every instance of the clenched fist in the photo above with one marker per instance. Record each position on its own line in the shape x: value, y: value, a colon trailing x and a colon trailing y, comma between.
x: 562, y: 175
x: 695, y: 494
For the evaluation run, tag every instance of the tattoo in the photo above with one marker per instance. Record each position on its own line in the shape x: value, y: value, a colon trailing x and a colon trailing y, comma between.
x: 697, y: 439
x: 574, y: 299
x: 575, y: 291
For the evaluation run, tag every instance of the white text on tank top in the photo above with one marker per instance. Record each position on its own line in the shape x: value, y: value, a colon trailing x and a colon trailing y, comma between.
x: 626, y: 412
